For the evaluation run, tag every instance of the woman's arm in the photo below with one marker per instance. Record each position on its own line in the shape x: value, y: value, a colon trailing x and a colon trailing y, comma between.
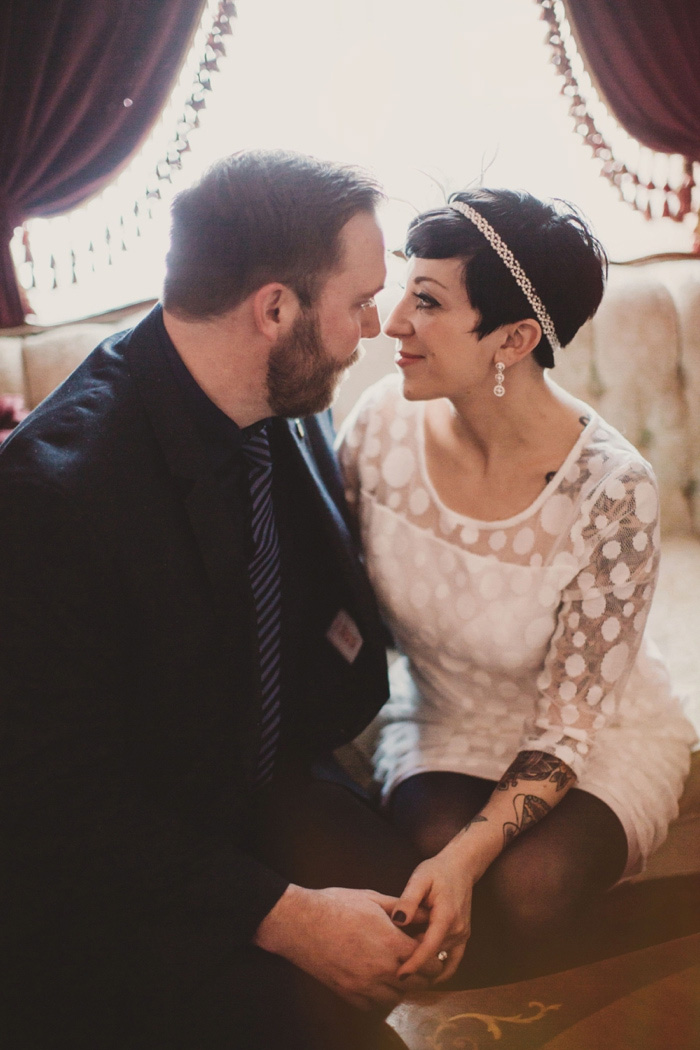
x: 599, y: 628
x: 531, y: 786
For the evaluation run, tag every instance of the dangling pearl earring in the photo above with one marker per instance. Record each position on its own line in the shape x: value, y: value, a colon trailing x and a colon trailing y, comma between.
x: 499, y: 389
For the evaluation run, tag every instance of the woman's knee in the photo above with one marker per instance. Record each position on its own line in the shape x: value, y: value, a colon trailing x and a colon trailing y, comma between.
x: 431, y: 808
x: 534, y: 892
x: 546, y: 879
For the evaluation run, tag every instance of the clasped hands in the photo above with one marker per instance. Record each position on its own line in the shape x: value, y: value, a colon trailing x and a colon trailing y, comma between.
x: 353, y: 940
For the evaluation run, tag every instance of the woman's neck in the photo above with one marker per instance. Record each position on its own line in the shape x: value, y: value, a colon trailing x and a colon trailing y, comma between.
x: 489, y: 458
x: 529, y: 417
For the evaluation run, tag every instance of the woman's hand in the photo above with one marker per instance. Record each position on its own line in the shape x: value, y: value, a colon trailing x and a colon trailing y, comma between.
x: 443, y: 887
x: 534, y: 782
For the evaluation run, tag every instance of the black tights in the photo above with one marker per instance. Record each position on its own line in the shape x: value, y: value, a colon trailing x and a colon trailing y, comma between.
x: 535, y: 895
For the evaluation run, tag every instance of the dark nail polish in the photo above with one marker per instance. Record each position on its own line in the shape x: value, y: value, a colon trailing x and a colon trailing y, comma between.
x: 399, y: 916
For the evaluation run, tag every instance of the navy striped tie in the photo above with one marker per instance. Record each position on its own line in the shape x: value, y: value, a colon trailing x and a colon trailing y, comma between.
x: 264, y: 569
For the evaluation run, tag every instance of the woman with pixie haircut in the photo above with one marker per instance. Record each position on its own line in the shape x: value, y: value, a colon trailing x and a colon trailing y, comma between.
x: 512, y: 537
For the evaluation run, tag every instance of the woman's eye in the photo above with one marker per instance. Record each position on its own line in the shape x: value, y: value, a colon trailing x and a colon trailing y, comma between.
x: 368, y: 304
x: 425, y: 301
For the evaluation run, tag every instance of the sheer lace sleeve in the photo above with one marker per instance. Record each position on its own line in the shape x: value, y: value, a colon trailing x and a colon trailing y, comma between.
x: 602, y: 615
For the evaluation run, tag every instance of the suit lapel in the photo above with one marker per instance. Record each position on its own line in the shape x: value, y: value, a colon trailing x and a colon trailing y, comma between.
x: 215, y: 515
x: 300, y: 440
x: 219, y: 529
x: 303, y: 435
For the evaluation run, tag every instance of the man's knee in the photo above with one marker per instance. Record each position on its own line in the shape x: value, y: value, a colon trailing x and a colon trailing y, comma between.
x: 320, y: 834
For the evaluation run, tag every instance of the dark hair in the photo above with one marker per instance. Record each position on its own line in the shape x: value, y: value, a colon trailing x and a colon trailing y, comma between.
x: 565, y: 262
x: 255, y: 217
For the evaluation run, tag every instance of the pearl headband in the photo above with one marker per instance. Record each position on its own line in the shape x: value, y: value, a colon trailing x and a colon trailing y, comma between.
x: 524, y: 282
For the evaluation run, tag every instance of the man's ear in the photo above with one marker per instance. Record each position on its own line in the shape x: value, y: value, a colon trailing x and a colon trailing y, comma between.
x: 519, y: 340
x: 275, y: 309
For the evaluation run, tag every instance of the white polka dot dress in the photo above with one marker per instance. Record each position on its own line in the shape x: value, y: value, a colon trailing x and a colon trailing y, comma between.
x: 525, y: 634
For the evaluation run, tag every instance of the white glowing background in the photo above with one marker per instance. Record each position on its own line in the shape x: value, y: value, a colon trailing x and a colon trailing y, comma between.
x: 426, y: 94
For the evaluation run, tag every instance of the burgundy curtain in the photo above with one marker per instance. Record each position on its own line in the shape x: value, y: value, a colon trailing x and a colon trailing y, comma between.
x: 645, y: 55
x: 81, y: 83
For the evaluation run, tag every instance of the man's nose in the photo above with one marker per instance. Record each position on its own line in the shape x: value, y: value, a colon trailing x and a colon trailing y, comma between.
x: 370, y: 322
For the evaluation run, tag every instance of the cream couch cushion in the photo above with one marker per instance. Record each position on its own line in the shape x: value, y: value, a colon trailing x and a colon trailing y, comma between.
x: 34, y: 361
x: 674, y: 619
x: 49, y: 357
x: 11, y: 372
x: 633, y: 363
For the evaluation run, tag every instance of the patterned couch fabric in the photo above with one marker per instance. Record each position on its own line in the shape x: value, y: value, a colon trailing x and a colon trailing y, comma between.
x: 646, y: 999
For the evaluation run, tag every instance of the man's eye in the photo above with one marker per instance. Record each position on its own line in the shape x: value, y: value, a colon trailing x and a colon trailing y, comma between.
x: 425, y: 301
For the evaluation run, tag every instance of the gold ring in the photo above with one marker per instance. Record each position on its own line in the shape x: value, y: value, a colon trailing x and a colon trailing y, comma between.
x: 442, y: 956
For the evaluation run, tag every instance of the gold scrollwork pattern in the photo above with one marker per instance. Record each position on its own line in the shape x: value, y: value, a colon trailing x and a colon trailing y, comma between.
x: 450, y: 1035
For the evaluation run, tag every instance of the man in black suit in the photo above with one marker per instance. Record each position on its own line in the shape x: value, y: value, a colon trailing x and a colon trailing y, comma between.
x: 170, y: 853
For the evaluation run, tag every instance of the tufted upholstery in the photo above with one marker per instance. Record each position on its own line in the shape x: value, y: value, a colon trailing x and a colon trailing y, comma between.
x: 638, y: 363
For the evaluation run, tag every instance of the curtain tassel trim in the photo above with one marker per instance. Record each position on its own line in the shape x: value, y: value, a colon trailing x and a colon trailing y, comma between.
x: 116, y: 235
x: 654, y: 199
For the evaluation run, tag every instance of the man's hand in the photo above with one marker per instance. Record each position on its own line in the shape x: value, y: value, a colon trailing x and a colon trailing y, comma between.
x: 345, y: 939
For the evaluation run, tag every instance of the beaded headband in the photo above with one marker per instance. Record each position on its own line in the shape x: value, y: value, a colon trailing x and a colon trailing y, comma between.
x: 524, y: 282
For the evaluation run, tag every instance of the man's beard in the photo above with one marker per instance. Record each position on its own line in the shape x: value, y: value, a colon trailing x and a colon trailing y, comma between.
x: 302, y: 378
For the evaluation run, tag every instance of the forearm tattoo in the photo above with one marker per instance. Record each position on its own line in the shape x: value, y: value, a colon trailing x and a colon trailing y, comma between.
x: 528, y: 810
x: 536, y: 765
x: 478, y: 819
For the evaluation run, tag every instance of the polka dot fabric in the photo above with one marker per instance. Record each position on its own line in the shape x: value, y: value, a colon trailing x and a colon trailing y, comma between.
x: 524, y: 634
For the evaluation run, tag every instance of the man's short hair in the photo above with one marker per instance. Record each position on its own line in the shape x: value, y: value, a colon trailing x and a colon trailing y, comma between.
x: 255, y: 217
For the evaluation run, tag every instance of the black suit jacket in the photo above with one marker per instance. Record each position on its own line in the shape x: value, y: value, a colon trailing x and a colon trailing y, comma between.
x: 130, y: 700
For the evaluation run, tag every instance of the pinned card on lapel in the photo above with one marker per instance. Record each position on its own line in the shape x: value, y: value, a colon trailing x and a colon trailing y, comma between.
x: 344, y: 635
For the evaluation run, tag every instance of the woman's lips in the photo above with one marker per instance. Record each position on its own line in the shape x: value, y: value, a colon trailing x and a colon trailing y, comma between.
x: 405, y: 360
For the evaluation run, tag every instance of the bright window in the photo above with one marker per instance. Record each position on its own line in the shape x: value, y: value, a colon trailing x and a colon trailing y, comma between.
x: 428, y: 95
